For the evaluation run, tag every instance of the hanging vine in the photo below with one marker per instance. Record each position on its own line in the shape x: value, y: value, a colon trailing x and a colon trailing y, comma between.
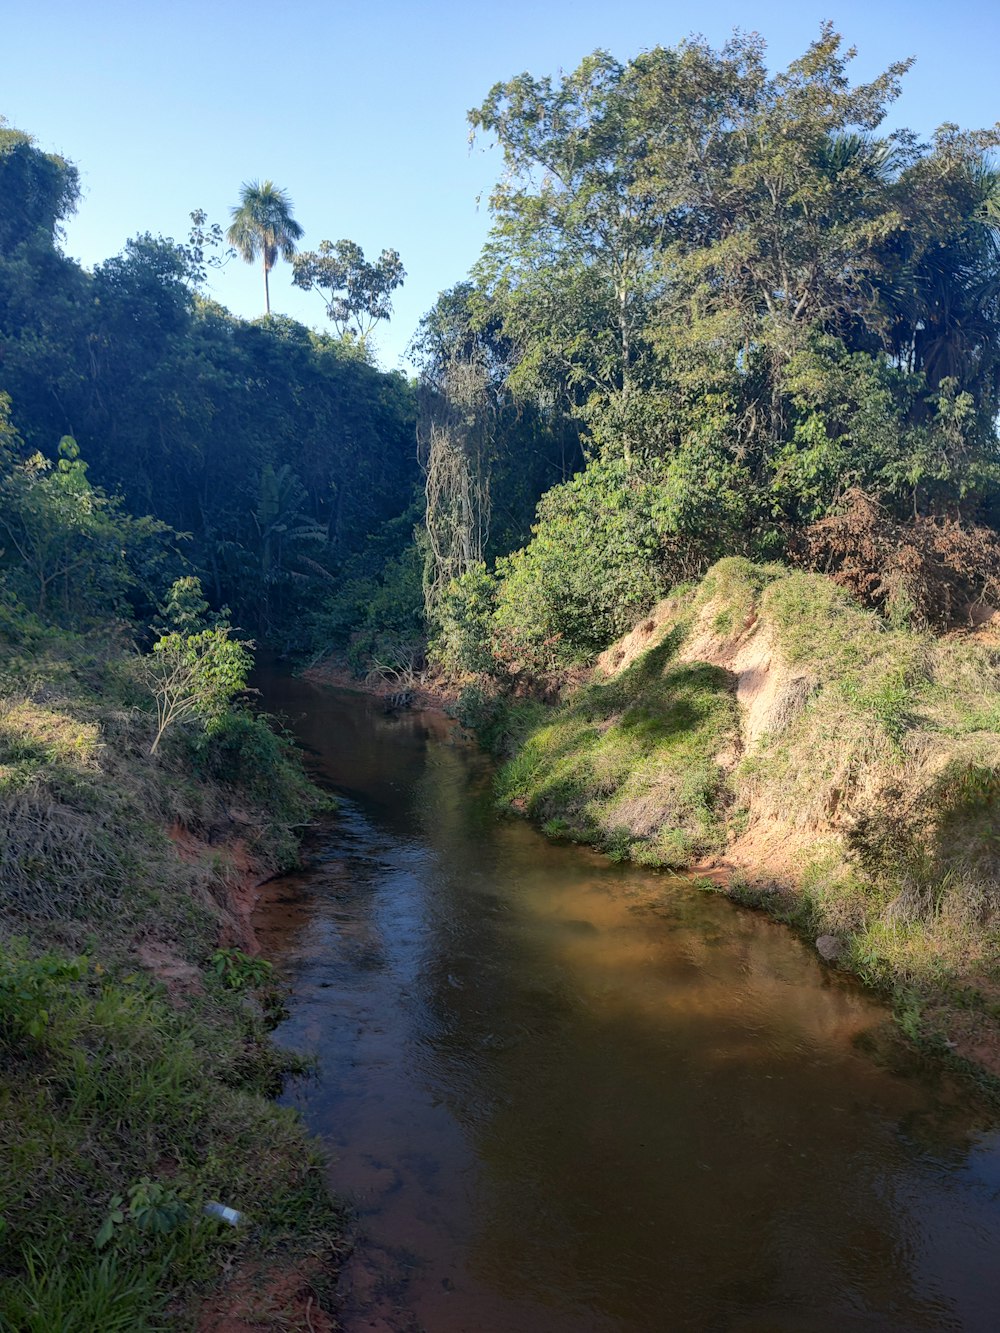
x: 455, y: 436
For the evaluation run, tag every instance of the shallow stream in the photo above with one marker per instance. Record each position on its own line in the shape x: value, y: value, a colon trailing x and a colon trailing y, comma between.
x: 566, y: 1095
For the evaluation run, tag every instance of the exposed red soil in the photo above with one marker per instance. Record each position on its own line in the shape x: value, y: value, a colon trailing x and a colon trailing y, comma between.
x: 181, y: 979
x: 233, y: 894
x: 268, y: 1297
x: 254, y: 1297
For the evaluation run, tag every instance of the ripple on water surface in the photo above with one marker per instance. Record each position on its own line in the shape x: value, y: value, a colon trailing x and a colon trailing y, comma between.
x: 569, y: 1095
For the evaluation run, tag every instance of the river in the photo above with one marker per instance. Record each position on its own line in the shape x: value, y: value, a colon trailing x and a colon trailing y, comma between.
x: 567, y: 1095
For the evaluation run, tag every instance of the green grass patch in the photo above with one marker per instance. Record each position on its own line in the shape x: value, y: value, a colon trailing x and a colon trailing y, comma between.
x: 122, y: 1114
x: 871, y: 771
x: 631, y: 764
x: 122, y: 1117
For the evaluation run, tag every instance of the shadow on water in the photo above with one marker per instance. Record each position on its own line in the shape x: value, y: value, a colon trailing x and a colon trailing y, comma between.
x: 569, y: 1095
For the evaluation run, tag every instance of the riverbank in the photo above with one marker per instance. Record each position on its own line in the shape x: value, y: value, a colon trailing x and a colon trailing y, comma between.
x: 138, y: 1068
x: 430, y: 692
x: 762, y: 731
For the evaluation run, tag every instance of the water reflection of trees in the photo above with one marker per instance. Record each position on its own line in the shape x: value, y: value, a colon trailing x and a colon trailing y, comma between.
x: 668, y: 1103
x: 669, y: 1106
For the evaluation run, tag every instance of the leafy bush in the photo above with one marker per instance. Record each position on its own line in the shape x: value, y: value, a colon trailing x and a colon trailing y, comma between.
x: 462, y: 643
x: 152, y: 1207
x: 598, y: 558
x: 241, y: 970
x: 67, y: 545
x: 605, y: 547
x: 248, y: 754
x: 28, y: 988
x: 194, y: 676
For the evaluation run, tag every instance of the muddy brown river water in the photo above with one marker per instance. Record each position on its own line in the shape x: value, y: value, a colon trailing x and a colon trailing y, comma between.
x: 565, y: 1095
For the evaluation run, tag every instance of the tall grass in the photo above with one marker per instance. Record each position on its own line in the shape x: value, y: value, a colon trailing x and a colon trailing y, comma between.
x: 124, y: 1109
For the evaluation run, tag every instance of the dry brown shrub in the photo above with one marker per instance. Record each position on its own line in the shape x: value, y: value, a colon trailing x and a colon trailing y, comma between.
x: 933, y: 572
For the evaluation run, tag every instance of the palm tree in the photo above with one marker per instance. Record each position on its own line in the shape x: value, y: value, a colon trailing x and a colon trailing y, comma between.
x: 263, y: 225
x: 946, y: 302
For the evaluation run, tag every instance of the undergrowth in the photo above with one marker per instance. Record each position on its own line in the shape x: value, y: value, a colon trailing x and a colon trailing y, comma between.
x: 121, y: 1118
x: 631, y: 764
x: 124, y: 1109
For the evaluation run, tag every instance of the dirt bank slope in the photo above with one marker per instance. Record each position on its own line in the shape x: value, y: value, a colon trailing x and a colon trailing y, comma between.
x: 842, y: 772
x: 136, y: 1073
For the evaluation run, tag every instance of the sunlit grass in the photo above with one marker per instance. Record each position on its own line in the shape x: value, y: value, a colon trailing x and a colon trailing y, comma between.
x: 875, y: 777
x: 631, y: 764
x: 108, y: 1085
x: 110, y: 1089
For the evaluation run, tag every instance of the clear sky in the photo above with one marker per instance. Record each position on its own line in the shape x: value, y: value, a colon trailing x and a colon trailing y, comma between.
x: 359, y: 110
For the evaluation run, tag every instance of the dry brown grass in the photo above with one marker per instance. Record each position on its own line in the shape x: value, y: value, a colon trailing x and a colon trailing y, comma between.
x: 926, y: 572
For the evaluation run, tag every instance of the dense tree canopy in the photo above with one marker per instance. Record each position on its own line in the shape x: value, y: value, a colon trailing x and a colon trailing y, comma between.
x: 723, y: 292
x: 747, y: 297
x: 38, y: 190
x: 271, y: 451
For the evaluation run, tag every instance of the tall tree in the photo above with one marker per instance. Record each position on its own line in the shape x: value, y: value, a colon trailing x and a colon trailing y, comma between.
x: 943, y: 300
x: 572, y: 242
x: 263, y: 226
x: 357, y: 292
x: 38, y: 189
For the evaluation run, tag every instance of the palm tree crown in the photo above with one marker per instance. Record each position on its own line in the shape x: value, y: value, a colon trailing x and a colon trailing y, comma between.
x: 263, y: 226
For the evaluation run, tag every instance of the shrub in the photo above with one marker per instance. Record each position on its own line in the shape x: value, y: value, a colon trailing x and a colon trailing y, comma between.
x: 239, y: 970
x: 597, y: 560
x: 929, y: 572
x: 28, y: 988
x: 194, y: 675
x: 462, y: 643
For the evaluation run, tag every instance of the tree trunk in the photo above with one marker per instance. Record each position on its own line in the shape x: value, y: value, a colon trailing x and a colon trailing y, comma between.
x: 267, y: 293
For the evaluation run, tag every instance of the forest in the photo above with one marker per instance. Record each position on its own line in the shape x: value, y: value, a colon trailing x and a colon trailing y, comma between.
x: 773, y: 330
x: 717, y: 309
x: 720, y: 395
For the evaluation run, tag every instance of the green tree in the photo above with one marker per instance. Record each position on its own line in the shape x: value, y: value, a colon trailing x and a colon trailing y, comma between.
x: 943, y: 294
x: 194, y: 676
x: 263, y: 227
x: 204, y: 249
x: 68, y: 543
x: 185, y: 609
x: 286, y: 540
x: 357, y: 293
x: 37, y: 189
x: 569, y: 259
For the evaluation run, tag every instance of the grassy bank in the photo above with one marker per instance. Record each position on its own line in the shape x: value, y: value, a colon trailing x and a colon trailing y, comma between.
x: 137, y: 1071
x: 844, y: 773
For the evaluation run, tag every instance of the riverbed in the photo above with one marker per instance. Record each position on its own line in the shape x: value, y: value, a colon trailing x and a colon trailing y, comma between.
x: 567, y: 1095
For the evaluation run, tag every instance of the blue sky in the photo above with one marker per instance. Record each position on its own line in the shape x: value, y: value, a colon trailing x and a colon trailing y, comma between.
x: 359, y: 111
